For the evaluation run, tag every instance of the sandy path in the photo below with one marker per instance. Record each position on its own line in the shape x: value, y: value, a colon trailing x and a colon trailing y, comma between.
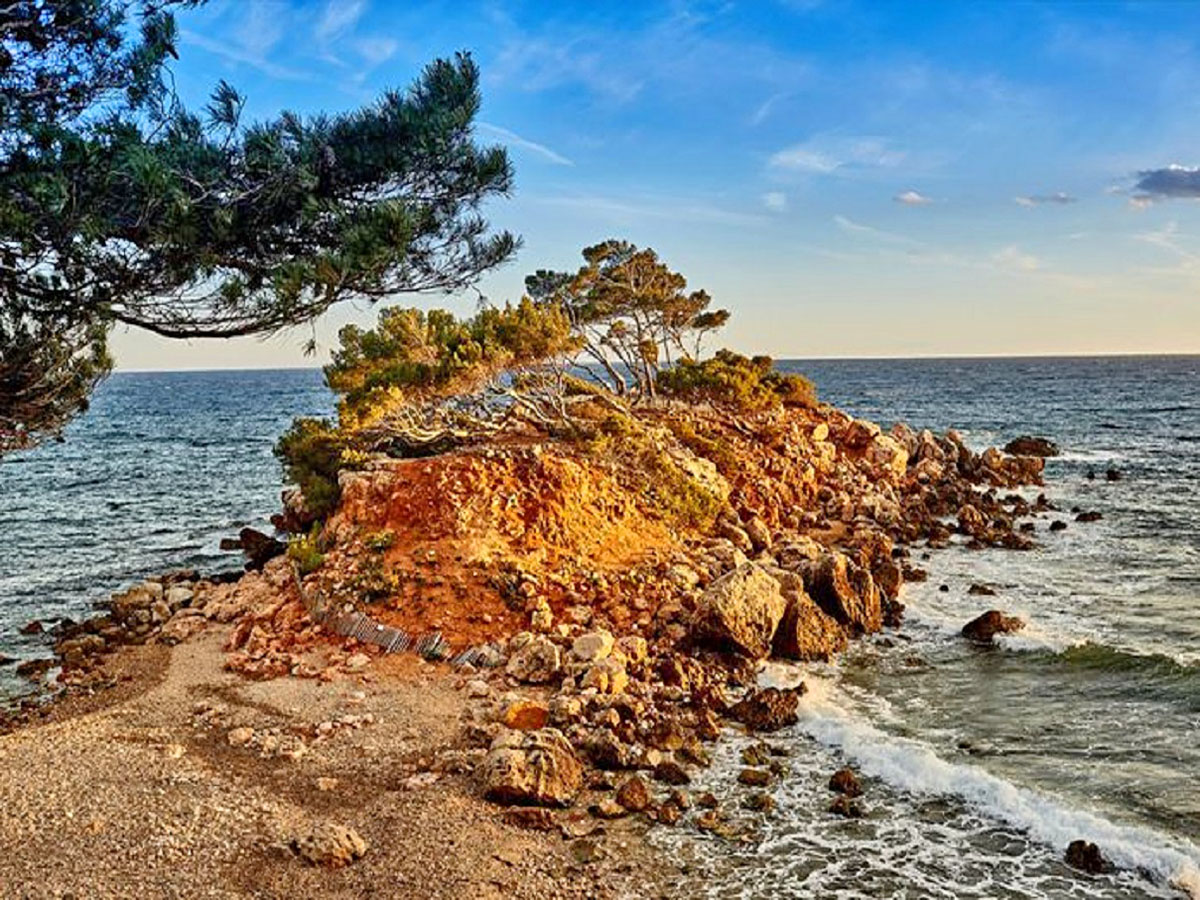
x: 147, y: 798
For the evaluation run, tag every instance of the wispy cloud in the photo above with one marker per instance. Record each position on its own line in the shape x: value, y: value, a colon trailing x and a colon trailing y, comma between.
x: 860, y: 230
x: 763, y: 111
x: 658, y: 208
x: 912, y: 198
x: 1012, y: 257
x: 338, y: 18
x: 515, y: 140
x: 1058, y: 198
x: 238, y: 55
x: 829, y: 155
x: 775, y: 201
x: 376, y: 50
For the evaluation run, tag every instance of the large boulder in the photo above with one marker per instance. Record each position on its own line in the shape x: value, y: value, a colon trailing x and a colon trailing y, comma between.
x: 769, y: 709
x: 846, y: 591
x: 981, y: 630
x: 537, y: 768
x: 888, y: 457
x: 740, y: 612
x: 1027, y: 445
x: 806, y: 631
x: 537, y: 662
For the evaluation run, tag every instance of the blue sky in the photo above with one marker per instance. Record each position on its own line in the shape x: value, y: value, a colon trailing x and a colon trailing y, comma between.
x: 849, y: 178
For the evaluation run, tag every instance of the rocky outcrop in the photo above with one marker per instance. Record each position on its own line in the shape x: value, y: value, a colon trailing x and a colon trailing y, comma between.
x: 984, y: 628
x: 538, y: 768
x: 740, y: 612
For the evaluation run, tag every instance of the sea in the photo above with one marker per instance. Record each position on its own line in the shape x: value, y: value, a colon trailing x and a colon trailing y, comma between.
x: 979, y: 765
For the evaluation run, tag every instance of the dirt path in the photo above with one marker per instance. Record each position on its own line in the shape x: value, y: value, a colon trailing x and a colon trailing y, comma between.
x: 149, y: 797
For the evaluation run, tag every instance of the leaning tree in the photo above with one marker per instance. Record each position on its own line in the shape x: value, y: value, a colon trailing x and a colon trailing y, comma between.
x: 632, y: 313
x: 119, y: 205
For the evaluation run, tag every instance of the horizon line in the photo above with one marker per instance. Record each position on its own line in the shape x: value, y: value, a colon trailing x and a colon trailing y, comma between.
x: 1119, y: 354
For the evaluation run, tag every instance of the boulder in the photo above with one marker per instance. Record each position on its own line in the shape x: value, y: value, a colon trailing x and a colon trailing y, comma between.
x: 329, y: 845
x: 860, y: 433
x: 536, y: 662
x: 1086, y: 857
x: 1027, y: 445
x: 982, y: 629
x: 806, y: 632
x: 607, y: 676
x: 259, y: 548
x: 634, y: 794
x: 845, y: 591
x: 526, y: 715
x: 740, y: 612
x: 888, y: 457
x: 768, y: 709
x: 538, y: 768
x: 759, y: 533
x: 593, y: 646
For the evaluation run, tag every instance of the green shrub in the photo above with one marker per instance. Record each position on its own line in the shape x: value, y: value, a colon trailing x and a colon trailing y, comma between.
x: 305, y: 551
x: 380, y: 541
x: 749, y: 383
x: 312, y: 453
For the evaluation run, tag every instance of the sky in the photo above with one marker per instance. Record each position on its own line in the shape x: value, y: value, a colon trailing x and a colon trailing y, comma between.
x: 847, y: 178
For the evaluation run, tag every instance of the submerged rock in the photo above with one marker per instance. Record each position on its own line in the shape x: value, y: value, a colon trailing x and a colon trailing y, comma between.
x: 1086, y: 857
x: 993, y: 622
x: 1027, y: 445
x: 845, y: 782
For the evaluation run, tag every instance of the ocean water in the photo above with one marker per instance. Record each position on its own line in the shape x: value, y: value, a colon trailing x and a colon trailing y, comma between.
x: 150, y: 478
x: 979, y: 765
x: 982, y: 765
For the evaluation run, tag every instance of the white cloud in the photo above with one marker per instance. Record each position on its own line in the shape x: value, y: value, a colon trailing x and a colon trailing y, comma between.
x: 1011, y: 257
x: 515, y: 140
x: 376, y: 50
x: 912, y: 198
x: 338, y: 17
x: 826, y: 155
x: 764, y: 109
x: 776, y: 201
x: 234, y: 54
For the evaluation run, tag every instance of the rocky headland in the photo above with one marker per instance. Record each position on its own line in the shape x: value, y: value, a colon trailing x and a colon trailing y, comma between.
x: 489, y: 668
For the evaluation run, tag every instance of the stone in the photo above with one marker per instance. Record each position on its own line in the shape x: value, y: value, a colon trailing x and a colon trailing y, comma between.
x: 768, y: 709
x: 592, y: 646
x: 357, y: 662
x: 541, y: 769
x: 608, y: 676
x: 34, y: 627
x: 634, y: 648
x: 1027, y: 445
x: 845, y: 807
x: 330, y: 846
x: 1058, y: 525
x: 477, y: 688
x: 982, y: 629
x: 531, y: 818
x: 754, y: 777
x: 740, y: 612
x: 888, y: 457
x: 1086, y: 857
x: 259, y: 548
x: 845, y: 782
x: 759, y: 533
x: 860, y: 433
x: 670, y: 772
x: 759, y: 802
x: 536, y: 662
x: 981, y: 590
x: 1089, y: 517
x: 526, y: 715
x: 806, y: 632
x: 541, y: 617
x: 240, y: 737
x: 634, y: 794
x: 608, y: 808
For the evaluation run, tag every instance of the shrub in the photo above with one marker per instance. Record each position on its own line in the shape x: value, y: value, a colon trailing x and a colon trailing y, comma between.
x: 380, y: 541
x: 305, y: 551
x: 749, y: 383
x: 312, y: 453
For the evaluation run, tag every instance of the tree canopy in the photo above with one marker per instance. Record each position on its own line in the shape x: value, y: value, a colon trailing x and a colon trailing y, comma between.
x: 633, y: 314
x: 118, y: 205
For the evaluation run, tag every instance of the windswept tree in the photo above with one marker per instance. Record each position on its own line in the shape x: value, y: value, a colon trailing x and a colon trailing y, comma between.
x: 633, y: 314
x: 118, y: 205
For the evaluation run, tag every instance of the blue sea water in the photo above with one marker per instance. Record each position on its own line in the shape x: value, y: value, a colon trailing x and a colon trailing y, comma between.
x: 980, y: 766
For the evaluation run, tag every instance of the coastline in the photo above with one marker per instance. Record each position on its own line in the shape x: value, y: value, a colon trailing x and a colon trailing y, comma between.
x: 261, y: 624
